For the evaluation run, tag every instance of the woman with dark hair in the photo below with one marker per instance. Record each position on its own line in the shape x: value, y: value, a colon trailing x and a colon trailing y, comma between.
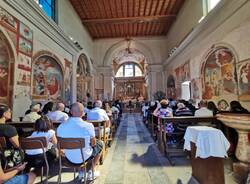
x: 211, y: 106
x: 42, y: 129
x: 235, y: 107
x: 8, y: 131
x: 48, y: 107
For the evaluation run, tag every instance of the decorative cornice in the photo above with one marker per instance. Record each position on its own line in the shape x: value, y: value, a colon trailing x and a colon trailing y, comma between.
x: 35, y: 15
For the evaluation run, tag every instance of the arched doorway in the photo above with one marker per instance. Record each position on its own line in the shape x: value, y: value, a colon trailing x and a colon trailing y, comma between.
x: 6, y: 71
x: 130, y: 70
x: 83, y: 78
x: 47, y: 78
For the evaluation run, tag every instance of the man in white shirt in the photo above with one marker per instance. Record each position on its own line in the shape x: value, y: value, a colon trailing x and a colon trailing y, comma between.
x: 33, y: 115
x: 75, y: 127
x: 203, y: 110
x: 58, y: 114
x: 98, y: 114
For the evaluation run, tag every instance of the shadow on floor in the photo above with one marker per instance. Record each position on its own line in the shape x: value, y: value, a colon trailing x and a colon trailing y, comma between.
x: 150, y: 159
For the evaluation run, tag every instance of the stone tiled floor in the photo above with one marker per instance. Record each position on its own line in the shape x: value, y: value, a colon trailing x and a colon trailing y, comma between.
x: 134, y: 159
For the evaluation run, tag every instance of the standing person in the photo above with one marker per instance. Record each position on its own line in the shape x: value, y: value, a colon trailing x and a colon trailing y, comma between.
x: 8, y: 131
x: 75, y: 127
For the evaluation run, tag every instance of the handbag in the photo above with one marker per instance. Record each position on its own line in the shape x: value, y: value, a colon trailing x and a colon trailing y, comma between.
x: 12, y: 157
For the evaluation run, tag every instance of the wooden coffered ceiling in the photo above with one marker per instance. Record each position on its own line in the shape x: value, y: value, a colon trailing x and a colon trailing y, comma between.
x: 127, y: 18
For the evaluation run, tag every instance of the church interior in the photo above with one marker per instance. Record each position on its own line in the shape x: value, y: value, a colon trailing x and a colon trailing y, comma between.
x: 143, y: 61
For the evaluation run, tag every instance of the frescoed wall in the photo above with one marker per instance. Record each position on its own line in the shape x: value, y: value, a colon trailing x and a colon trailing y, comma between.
x: 244, y: 80
x: 182, y: 74
x: 47, y: 80
x: 219, y: 76
x: 4, y: 68
x: 171, y: 90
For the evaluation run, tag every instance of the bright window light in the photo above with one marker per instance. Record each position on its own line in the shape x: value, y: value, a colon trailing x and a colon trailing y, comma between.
x: 212, y: 4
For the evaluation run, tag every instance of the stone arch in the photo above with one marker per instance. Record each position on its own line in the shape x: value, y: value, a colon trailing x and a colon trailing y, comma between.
x: 218, y: 72
x: 83, y: 77
x: 7, y: 78
x: 87, y: 59
x: 47, y: 77
x: 122, y: 45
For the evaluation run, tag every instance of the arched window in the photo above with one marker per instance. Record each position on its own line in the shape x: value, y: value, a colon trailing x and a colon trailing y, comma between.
x: 129, y: 70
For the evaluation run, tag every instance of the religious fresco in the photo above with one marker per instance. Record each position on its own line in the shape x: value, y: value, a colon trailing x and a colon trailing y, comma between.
x: 219, y: 74
x: 171, y: 90
x: 182, y: 74
x: 26, y: 32
x: 4, y: 67
x: 223, y: 105
x: 244, y: 80
x: 8, y: 21
x: 67, y: 81
x: 24, y: 70
x: 195, y: 88
x: 25, y: 46
x: 47, y: 79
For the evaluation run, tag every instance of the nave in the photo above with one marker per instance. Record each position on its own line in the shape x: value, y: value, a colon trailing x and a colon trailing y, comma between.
x: 134, y: 158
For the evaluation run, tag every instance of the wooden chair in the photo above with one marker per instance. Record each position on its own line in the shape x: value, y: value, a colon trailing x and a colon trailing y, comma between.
x: 72, y: 143
x: 104, y: 138
x: 37, y: 143
x: 2, y: 143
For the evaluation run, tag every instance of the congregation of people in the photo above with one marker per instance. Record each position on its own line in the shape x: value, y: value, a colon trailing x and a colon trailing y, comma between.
x: 74, y: 122
x: 156, y: 111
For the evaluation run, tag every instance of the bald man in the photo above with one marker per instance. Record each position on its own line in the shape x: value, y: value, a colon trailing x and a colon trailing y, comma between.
x: 58, y: 114
x: 75, y: 127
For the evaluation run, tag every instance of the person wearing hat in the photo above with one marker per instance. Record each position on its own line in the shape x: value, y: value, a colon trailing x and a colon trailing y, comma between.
x: 33, y: 115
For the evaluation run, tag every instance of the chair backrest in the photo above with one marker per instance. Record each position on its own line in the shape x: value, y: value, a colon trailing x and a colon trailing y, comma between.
x: 33, y: 143
x: 2, y: 143
x: 70, y: 143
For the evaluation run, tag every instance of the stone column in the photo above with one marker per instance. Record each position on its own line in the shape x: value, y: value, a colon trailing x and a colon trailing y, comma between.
x: 73, y: 82
x: 107, y: 73
x: 155, y: 79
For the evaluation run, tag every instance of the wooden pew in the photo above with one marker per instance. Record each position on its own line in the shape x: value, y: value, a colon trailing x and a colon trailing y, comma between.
x: 28, y: 124
x: 163, y: 135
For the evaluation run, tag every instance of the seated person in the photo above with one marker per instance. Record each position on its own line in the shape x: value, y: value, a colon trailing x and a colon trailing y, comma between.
x: 235, y: 107
x: 42, y: 129
x: 98, y: 114
x: 182, y: 110
x: 88, y: 108
x: 203, y: 110
x: 33, y: 115
x: 75, y: 127
x: 8, y: 131
x: 163, y: 111
x: 58, y: 114
x: 11, y: 177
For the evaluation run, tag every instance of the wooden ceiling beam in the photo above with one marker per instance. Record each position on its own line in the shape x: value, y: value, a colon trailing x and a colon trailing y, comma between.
x: 156, y: 18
